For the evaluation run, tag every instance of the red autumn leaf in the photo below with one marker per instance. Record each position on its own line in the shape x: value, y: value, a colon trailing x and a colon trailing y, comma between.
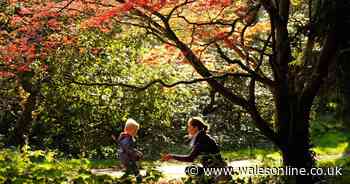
x: 96, y: 51
x: 105, y: 30
x: 23, y: 68
x: 220, y: 35
x: 24, y: 11
x: 53, y: 24
x: 127, y: 6
x: 142, y: 2
x: 162, y: 2
x: 68, y: 40
x: 50, y: 45
x: 30, y: 53
x: 182, y: 61
x: 12, y: 48
x: 8, y: 59
x: 43, y: 55
x: 241, y: 11
x: 16, y: 20
x: 22, y: 29
x: 5, y: 74
x: 169, y: 47
x: 230, y: 42
x: 226, y: 2
x: 112, y: 13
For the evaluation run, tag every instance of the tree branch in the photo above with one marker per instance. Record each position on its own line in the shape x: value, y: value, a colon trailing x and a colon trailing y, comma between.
x: 160, y: 81
x: 321, y: 70
x: 66, y: 6
x: 209, y: 23
x: 196, y: 63
x: 262, y: 79
x: 252, y: 85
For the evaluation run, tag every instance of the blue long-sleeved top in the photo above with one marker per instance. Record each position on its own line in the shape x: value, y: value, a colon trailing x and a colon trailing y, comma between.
x: 127, y: 151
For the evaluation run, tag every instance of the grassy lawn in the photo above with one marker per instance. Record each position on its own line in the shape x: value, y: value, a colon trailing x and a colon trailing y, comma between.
x: 330, y: 144
x: 101, y: 164
x: 42, y: 166
x: 328, y: 147
x: 245, y: 154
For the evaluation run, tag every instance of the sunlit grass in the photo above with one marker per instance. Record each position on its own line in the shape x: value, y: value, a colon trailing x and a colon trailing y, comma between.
x: 101, y: 164
x: 241, y: 154
x: 337, y: 149
x: 331, y: 143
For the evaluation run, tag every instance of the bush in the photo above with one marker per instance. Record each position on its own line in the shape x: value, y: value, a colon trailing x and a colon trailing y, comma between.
x: 26, y: 166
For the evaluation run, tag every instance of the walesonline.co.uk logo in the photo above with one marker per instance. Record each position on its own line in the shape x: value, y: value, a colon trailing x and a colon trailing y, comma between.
x: 256, y: 170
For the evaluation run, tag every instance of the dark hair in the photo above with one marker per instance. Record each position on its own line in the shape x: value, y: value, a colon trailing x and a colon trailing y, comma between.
x: 199, y: 123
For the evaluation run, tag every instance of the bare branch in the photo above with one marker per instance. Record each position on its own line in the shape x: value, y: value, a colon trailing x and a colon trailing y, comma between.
x: 256, y: 70
x: 192, y: 35
x: 263, y: 125
x: 260, y: 78
x: 233, y: 25
x: 248, y: 59
x: 273, y: 14
x: 208, y: 23
x: 251, y: 89
x: 262, y: 53
x: 160, y: 81
x: 65, y: 6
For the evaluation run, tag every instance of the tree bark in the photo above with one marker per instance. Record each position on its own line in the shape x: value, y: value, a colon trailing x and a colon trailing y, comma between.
x: 295, y: 140
x: 343, y: 64
x: 343, y: 77
x: 23, y: 124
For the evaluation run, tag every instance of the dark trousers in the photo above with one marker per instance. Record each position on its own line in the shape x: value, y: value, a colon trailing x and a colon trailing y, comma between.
x: 130, y: 167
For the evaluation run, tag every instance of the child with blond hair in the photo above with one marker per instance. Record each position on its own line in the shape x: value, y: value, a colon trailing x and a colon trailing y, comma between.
x: 128, y: 154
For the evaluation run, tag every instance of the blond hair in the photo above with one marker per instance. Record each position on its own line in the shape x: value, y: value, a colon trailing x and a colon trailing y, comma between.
x: 131, y: 123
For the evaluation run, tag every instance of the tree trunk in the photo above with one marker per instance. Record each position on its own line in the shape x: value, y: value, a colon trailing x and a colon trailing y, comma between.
x: 344, y: 77
x: 343, y: 64
x: 295, y: 141
x: 23, y: 124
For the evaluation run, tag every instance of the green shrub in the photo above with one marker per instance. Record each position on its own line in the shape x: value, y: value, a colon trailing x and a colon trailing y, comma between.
x: 26, y: 166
